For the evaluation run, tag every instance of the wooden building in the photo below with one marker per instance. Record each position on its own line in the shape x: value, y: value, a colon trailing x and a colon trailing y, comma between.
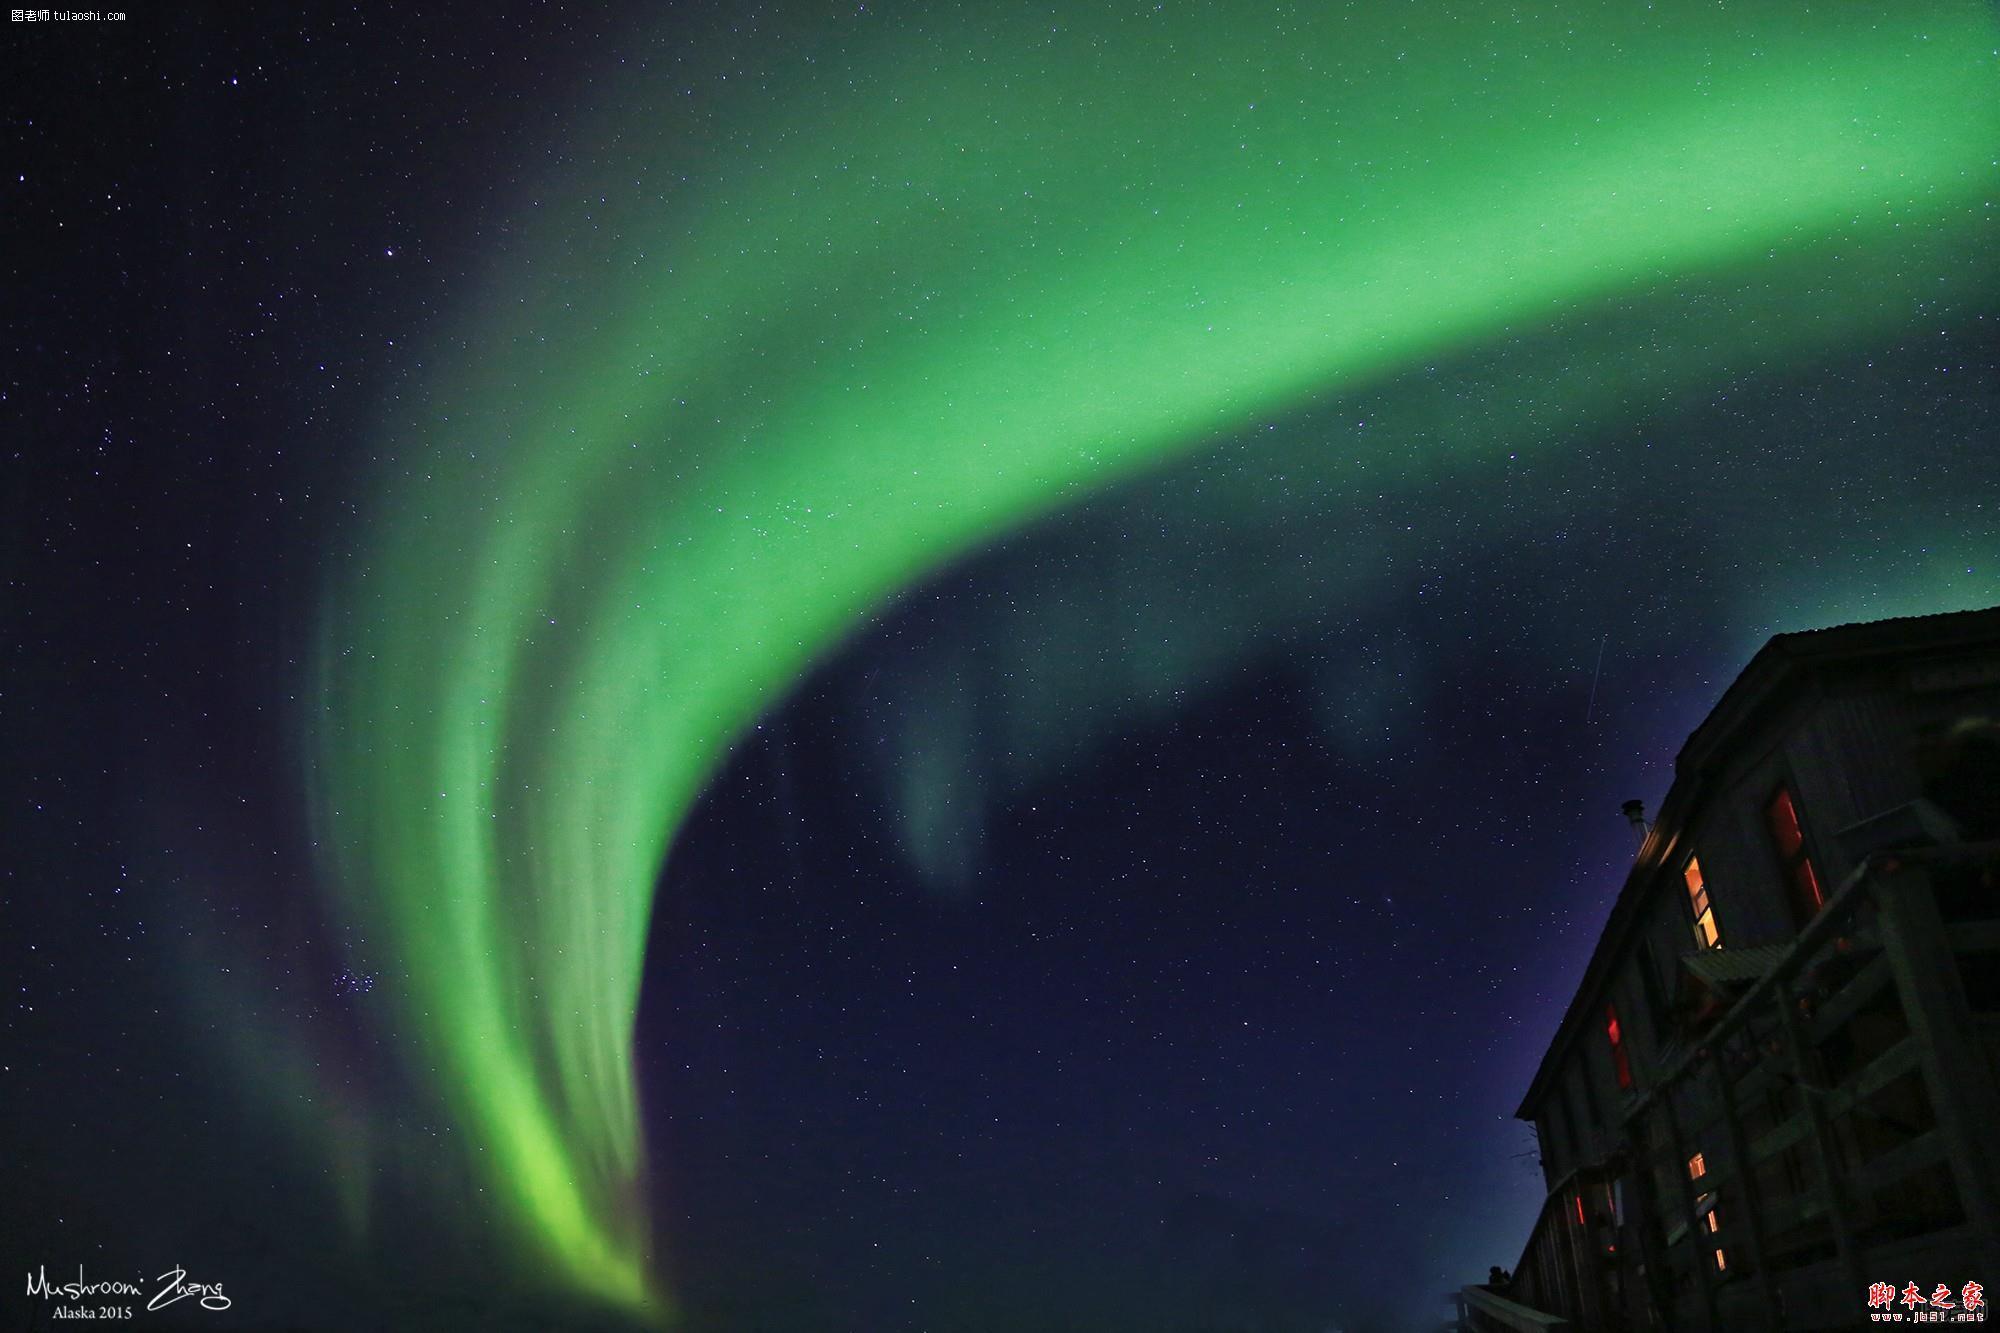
x: 1773, y: 1096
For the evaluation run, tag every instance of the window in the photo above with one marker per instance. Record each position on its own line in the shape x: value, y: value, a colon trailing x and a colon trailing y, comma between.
x: 1697, y: 1168
x: 1789, y: 837
x: 1721, y: 1264
x: 1705, y: 933
x: 1617, y: 1039
x: 1580, y: 1219
x: 1714, y: 1220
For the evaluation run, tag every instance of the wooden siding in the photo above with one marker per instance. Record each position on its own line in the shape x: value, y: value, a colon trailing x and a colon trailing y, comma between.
x: 1844, y: 742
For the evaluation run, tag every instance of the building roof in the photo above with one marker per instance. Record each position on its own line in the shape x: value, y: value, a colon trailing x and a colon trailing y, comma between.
x: 1785, y: 657
x: 1777, y: 668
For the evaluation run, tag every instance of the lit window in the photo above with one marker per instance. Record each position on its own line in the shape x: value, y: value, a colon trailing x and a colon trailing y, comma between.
x: 1617, y: 1040
x: 1580, y: 1221
x: 1714, y: 1219
x: 1697, y: 1168
x: 1721, y: 1264
x: 1789, y: 836
x: 1705, y: 933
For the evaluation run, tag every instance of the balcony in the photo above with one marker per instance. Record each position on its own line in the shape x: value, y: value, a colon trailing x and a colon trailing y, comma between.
x: 1832, y: 1129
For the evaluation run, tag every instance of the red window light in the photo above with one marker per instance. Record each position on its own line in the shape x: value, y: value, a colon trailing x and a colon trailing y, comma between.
x: 1784, y: 817
x: 1808, y: 881
x: 1579, y: 1211
x: 1789, y: 837
x: 1618, y: 1060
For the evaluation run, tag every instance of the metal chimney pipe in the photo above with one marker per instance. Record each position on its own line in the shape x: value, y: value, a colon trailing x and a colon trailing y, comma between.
x: 1635, y: 812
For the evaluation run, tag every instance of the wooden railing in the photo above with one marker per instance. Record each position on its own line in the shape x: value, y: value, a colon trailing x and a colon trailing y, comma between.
x: 1856, y: 1064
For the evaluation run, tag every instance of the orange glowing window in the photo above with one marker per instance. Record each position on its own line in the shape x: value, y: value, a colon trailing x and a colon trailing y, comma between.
x: 1697, y: 1168
x: 1721, y: 1263
x: 1714, y: 1219
x: 1705, y: 932
x: 1789, y: 837
x: 1612, y: 1033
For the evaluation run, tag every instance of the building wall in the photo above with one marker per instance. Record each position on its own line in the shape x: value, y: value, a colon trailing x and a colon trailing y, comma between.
x: 1843, y: 740
x: 1845, y: 745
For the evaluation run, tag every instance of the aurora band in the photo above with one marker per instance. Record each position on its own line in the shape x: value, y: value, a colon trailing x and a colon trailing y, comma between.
x: 722, y: 393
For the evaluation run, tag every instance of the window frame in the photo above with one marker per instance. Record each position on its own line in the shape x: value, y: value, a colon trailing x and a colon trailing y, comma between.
x: 1800, y: 858
x: 1711, y: 938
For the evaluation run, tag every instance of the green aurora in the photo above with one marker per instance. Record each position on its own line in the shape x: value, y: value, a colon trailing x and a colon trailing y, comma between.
x: 742, y: 376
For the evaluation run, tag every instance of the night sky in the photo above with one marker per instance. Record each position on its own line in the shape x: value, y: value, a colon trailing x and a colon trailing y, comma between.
x: 869, y: 668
